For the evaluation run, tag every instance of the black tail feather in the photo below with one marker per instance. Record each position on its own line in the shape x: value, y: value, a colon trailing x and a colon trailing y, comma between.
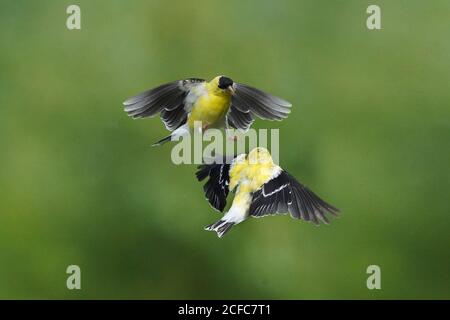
x: 162, y: 141
x: 221, y: 227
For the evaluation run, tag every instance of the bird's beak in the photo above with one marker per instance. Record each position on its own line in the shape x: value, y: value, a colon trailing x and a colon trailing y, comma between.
x: 231, y: 89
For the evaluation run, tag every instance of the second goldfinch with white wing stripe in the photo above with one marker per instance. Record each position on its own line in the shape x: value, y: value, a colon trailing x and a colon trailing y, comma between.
x: 262, y: 188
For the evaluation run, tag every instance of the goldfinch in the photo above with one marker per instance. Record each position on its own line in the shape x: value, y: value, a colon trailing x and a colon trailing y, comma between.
x: 262, y: 188
x: 218, y: 103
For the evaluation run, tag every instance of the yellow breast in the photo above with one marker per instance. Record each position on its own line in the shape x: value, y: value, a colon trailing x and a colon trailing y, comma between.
x: 209, y: 109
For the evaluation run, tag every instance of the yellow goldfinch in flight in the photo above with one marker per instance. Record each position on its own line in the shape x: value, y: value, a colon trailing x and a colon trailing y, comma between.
x: 262, y: 188
x: 218, y: 103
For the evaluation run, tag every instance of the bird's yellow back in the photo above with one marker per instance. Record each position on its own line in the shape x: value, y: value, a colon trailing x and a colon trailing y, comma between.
x: 251, y: 172
x: 237, y: 171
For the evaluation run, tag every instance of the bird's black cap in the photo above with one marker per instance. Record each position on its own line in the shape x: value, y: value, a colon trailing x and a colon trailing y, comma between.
x: 225, y: 82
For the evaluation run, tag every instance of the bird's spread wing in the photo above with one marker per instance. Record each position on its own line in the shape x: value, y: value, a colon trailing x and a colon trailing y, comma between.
x: 284, y: 194
x: 216, y: 188
x: 168, y: 99
x: 248, y: 102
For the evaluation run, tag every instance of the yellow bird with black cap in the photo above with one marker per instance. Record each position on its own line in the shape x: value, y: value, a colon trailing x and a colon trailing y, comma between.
x: 219, y: 103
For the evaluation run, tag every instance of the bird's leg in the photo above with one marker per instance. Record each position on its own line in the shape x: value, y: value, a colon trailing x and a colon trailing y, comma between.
x: 231, y: 136
x: 205, y: 127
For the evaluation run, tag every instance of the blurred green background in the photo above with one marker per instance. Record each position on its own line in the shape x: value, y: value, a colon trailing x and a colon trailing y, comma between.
x: 369, y: 132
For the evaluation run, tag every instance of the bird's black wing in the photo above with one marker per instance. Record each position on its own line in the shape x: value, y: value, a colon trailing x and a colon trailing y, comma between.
x: 284, y: 194
x: 248, y: 102
x: 167, y: 99
x: 216, y: 188
x: 238, y: 119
